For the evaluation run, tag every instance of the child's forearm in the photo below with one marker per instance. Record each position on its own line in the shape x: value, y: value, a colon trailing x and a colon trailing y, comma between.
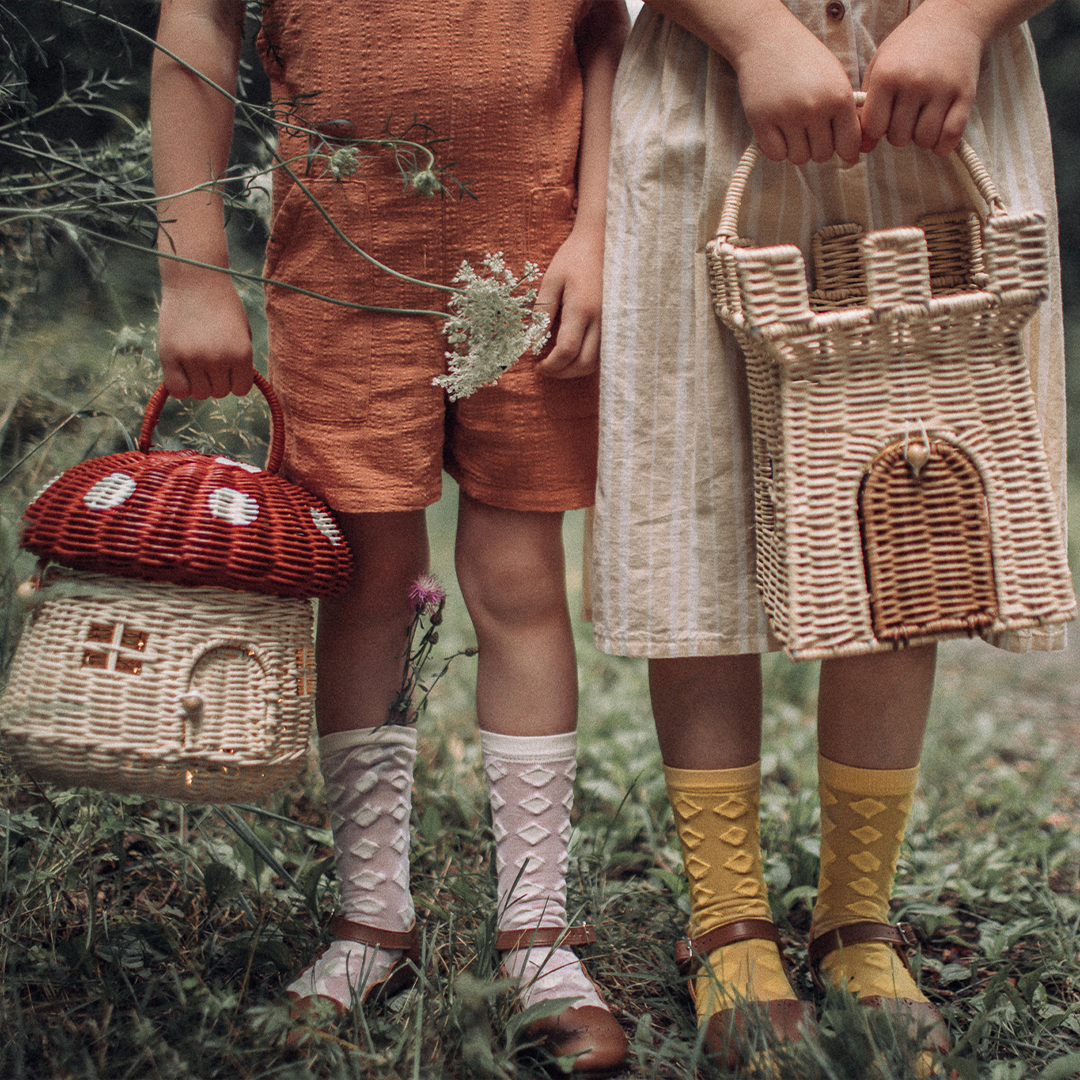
x: 191, y: 126
x: 729, y: 27
x: 571, y: 287
x: 986, y: 18
x: 600, y: 42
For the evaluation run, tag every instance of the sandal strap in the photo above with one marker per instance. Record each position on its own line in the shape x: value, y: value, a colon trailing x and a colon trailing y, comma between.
x: 364, y: 934
x: 544, y: 937
x: 900, y: 937
x: 688, y: 949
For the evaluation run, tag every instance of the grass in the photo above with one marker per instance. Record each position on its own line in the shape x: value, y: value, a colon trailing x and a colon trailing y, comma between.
x: 143, y: 938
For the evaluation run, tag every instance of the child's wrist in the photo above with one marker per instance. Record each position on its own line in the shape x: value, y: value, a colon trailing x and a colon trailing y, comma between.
x: 188, y: 276
x: 960, y: 16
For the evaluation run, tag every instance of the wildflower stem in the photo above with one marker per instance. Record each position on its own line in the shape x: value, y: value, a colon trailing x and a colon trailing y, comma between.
x: 241, y: 274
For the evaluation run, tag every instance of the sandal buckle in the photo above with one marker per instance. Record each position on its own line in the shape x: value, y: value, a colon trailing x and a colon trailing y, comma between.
x: 684, y: 954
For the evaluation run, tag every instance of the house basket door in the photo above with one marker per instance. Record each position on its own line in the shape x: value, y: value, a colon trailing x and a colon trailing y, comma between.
x: 226, y: 706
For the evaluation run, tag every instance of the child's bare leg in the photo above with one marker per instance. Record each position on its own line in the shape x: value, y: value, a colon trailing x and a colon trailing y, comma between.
x: 708, y: 721
x: 872, y: 714
x: 361, y: 639
x: 872, y: 710
x: 512, y: 574
x: 511, y: 570
x: 707, y: 710
x: 367, y: 768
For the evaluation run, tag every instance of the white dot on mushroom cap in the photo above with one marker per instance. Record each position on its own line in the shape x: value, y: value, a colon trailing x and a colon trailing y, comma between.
x: 232, y: 506
x: 327, y: 526
x: 237, y: 464
x: 110, y: 491
x: 46, y: 487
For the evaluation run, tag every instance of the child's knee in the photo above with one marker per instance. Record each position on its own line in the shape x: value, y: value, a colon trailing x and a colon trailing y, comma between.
x: 510, y: 586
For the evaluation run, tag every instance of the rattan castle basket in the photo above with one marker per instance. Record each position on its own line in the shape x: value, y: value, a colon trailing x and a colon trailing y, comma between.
x: 168, y: 646
x: 901, y: 488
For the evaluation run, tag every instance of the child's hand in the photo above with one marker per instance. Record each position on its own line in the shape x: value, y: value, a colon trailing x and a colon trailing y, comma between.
x: 921, y: 83
x: 204, y: 340
x: 571, y: 292
x: 796, y: 96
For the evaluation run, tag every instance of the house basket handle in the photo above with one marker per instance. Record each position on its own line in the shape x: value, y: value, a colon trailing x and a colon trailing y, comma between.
x: 277, y: 419
x: 729, y: 216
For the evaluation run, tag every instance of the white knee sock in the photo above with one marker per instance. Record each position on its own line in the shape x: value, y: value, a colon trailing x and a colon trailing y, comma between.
x: 368, y: 775
x: 531, y: 783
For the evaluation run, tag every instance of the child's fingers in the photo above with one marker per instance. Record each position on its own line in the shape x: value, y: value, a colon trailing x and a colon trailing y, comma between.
x: 847, y: 135
x: 585, y: 361
x: 821, y: 140
x: 569, y: 338
x: 773, y: 144
x: 175, y: 379
x: 906, y: 111
x: 874, y: 117
x: 928, y: 127
x: 201, y: 381
x: 952, y: 129
x: 201, y: 369
x: 798, y: 145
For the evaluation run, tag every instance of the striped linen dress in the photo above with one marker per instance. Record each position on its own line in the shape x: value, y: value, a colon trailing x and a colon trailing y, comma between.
x: 673, y: 539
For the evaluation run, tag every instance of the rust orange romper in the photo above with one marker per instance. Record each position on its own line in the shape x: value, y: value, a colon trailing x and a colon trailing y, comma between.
x: 367, y: 430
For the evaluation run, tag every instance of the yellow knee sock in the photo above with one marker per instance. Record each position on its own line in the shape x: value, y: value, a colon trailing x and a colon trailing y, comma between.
x: 864, y: 814
x: 716, y: 817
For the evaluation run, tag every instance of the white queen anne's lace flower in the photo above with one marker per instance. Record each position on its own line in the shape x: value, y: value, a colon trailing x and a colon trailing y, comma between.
x: 491, y: 325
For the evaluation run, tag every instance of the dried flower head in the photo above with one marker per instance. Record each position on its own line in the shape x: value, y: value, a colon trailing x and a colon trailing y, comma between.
x: 426, y: 182
x: 495, y: 320
x: 344, y: 162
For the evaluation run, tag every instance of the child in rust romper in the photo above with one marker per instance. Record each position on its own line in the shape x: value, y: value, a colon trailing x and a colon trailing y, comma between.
x: 522, y: 90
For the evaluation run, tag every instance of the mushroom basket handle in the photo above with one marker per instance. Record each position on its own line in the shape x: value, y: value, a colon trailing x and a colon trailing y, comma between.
x: 277, y: 419
x: 729, y: 215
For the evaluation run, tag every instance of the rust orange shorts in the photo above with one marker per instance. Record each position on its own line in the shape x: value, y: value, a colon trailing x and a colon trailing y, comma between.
x: 376, y: 439
x: 367, y: 430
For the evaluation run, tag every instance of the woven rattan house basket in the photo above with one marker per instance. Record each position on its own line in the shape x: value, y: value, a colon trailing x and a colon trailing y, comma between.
x: 168, y: 645
x: 901, y: 488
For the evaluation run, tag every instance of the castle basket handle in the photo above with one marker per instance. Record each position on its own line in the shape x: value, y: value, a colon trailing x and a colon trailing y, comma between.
x: 729, y: 215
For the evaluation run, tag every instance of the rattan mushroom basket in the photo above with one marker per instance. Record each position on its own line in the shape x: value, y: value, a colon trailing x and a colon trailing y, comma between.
x: 168, y: 647
x: 901, y: 488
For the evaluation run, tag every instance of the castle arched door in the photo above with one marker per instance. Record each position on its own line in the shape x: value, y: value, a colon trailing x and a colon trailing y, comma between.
x: 926, y: 542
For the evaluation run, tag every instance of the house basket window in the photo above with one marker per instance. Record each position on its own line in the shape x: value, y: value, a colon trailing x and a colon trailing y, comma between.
x: 305, y: 672
x: 115, y: 647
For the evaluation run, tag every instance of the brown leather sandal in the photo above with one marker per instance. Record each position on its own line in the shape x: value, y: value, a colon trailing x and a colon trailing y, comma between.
x: 589, y: 1033
x: 726, y: 1033
x: 400, y: 974
x: 922, y: 1019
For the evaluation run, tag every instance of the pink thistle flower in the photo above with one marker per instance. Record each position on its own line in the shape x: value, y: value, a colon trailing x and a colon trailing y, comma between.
x: 426, y: 594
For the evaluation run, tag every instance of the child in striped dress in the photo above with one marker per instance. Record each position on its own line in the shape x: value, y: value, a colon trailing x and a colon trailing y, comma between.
x: 673, y: 571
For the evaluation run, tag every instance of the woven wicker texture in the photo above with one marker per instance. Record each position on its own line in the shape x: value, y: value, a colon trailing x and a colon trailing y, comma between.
x: 911, y: 340
x: 199, y: 694
x: 191, y: 519
x: 927, y: 542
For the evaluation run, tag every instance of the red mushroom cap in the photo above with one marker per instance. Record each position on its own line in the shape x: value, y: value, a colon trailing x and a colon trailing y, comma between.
x: 190, y: 519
